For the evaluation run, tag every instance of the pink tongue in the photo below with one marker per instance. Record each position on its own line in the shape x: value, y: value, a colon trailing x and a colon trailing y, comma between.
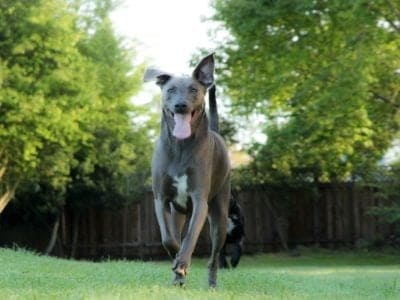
x: 182, y: 128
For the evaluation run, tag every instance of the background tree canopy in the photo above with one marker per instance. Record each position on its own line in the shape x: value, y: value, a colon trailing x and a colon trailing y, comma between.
x: 65, y: 114
x: 325, y: 74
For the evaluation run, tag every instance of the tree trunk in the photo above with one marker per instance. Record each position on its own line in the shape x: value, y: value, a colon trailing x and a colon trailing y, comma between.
x: 8, y: 193
x: 6, y: 197
x: 54, y: 234
x: 2, y: 171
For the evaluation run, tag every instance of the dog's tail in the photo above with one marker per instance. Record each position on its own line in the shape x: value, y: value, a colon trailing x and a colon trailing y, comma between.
x: 213, y: 110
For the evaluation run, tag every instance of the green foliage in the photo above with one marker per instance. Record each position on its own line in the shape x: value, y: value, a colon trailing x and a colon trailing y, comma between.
x: 386, y: 182
x: 227, y: 129
x: 42, y: 96
x: 65, y: 114
x: 325, y: 75
x: 118, y: 147
x: 316, y: 274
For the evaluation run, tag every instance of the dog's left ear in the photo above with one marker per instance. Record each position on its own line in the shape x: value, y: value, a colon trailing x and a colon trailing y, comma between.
x: 160, y: 77
x: 204, y: 72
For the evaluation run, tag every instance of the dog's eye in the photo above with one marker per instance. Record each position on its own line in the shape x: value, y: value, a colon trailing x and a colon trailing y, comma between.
x: 171, y: 90
x: 192, y: 89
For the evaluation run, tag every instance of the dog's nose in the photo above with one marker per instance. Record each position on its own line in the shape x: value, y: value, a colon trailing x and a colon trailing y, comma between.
x: 180, y: 107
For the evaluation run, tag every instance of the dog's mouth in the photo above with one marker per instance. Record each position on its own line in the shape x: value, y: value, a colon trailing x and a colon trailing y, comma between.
x: 172, y: 115
x: 182, y: 128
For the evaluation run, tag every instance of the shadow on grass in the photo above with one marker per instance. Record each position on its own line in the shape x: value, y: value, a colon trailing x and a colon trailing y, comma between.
x: 317, y: 257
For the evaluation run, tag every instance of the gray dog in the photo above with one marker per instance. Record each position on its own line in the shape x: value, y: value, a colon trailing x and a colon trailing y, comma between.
x: 190, y: 168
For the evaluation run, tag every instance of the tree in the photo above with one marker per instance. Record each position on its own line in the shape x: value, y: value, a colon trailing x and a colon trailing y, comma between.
x: 43, y: 95
x: 386, y: 184
x: 68, y: 130
x: 118, y: 147
x: 326, y: 76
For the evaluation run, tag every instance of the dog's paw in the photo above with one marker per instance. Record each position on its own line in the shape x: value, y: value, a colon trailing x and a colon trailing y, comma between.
x: 212, y: 277
x: 180, y: 268
x: 179, y: 280
x: 212, y: 281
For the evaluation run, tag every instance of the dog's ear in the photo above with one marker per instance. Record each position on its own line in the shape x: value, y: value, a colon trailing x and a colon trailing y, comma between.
x: 160, y: 77
x: 204, y: 72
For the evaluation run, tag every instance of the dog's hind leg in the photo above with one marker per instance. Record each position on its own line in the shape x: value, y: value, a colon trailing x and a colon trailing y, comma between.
x: 236, y: 254
x: 218, y: 218
x: 223, y: 264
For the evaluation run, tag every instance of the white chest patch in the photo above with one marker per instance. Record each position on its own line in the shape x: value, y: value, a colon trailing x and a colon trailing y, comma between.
x: 231, y: 226
x: 180, y: 183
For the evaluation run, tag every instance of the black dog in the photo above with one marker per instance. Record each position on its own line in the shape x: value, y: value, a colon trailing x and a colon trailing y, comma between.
x: 235, y: 236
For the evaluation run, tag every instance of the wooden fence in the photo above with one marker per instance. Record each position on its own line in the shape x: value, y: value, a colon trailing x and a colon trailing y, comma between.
x: 336, y: 215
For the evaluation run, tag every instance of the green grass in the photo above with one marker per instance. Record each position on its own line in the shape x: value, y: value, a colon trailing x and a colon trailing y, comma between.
x: 317, y: 274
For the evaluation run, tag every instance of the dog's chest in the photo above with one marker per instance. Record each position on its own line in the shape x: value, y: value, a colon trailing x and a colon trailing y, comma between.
x: 231, y: 225
x: 181, y: 185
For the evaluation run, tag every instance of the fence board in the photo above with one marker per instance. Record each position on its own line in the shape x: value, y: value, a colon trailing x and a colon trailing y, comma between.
x: 329, y: 215
x: 347, y: 226
x: 356, y: 213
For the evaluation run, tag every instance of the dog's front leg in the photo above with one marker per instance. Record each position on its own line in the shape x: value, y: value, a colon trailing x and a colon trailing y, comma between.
x: 182, y: 261
x: 163, y: 218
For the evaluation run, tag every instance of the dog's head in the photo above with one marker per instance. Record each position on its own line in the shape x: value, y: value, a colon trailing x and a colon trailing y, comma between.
x: 183, y: 96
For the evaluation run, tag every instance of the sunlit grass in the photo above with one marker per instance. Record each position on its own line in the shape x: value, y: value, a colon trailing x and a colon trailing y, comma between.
x: 314, y: 274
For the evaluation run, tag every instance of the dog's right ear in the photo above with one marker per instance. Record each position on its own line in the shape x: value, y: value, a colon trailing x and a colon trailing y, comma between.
x: 204, y: 72
x: 160, y: 77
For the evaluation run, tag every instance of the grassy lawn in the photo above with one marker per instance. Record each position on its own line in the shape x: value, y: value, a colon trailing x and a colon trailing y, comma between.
x: 317, y: 274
